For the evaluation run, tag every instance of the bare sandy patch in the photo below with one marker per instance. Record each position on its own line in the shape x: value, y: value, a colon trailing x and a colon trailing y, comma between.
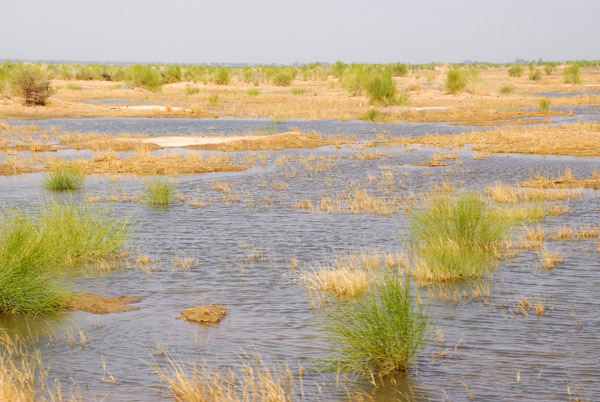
x: 212, y: 314
x: 95, y: 304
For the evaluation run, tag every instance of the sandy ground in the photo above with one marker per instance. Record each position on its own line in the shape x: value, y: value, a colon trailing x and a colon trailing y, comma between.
x: 186, y: 141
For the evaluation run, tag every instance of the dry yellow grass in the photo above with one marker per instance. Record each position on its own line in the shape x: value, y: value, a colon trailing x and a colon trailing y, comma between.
x: 510, y: 195
x: 549, y: 259
x: 144, y: 164
x: 274, y: 142
x: 250, y: 379
x: 582, y: 139
x: 352, y: 274
x: 565, y: 180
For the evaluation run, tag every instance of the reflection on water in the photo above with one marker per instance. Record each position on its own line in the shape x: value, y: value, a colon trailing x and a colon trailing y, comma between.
x: 487, y: 351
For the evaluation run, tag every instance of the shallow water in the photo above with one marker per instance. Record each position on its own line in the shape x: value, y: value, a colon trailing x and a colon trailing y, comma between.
x: 244, y: 249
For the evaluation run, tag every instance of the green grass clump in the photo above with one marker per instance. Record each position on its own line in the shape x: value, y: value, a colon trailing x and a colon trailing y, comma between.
x: 77, y: 233
x: 381, y: 333
x: 548, y: 69
x: 544, y: 104
x: 214, y: 100
x: 64, y: 178
x: 515, y: 71
x: 456, y: 81
x: 30, y: 83
x: 506, y: 89
x: 144, y: 77
x: 380, y: 89
x: 35, y: 248
x: 253, y: 91
x: 159, y: 191
x: 298, y: 91
x: 192, y: 90
x: 222, y: 75
x: 535, y: 75
x: 456, y: 237
x: 27, y: 282
x: 571, y: 75
x: 74, y: 87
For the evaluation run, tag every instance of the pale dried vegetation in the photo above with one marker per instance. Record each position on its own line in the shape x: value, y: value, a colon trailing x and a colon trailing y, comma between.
x: 250, y: 379
x: 511, y: 195
x: 352, y: 274
x: 581, y: 139
x: 145, y: 164
x: 566, y: 179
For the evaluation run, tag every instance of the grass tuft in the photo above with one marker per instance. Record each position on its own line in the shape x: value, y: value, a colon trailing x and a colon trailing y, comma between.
x: 571, y: 75
x: 544, y: 104
x: 64, y: 177
x: 456, y: 238
x: 159, y: 191
x: 381, y: 333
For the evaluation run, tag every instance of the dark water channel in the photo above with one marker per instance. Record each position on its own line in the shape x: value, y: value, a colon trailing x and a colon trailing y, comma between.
x: 493, y: 353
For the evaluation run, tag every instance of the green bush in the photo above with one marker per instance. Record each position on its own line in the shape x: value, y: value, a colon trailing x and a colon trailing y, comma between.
x: 64, y: 177
x: 171, y: 73
x: 544, y: 105
x: 456, y: 81
x: 548, y: 69
x: 535, y: 75
x: 380, y: 89
x: 283, y: 77
x: 352, y: 81
x: 456, y: 237
x: 192, y: 90
x: 571, y: 75
x: 214, y: 100
x: 159, y: 191
x: 515, y: 70
x: 506, y: 89
x: 252, y: 91
x: 222, y: 75
x: 371, y: 115
x: 381, y: 333
x: 144, y: 77
x: 397, y: 69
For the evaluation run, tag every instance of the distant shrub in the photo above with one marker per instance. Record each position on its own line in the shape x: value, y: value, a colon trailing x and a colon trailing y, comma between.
x: 298, y: 91
x: 338, y: 69
x: 252, y: 91
x: 397, y: 69
x: 571, y: 74
x: 380, y: 89
x: 402, y: 99
x: 192, y: 90
x: 353, y: 80
x: 144, y: 77
x: 506, y: 89
x: 171, y: 73
x: 222, y: 75
x: 283, y: 77
x: 544, y: 104
x: 548, y: 69
x: 31, y: 84
x: 456, y: 81
x: 515, y: 71
x: 535, y: 75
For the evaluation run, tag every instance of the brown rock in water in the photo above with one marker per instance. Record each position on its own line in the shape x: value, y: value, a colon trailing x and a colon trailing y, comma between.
x: 203, y: 314
x: 102, y: 305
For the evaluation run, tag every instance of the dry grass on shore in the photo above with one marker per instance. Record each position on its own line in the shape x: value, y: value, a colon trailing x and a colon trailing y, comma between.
x: 144, y: 164
x: 581, y: 139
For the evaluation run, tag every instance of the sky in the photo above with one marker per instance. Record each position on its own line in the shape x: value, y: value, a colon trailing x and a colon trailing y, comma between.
x: 303, y: 31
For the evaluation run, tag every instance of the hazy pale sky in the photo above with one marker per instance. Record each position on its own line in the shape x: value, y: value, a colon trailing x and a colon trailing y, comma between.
x: 287, y: 31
